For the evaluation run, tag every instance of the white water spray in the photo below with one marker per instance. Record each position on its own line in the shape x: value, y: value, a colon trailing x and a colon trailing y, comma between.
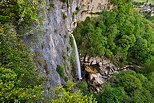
x: 77, y: 58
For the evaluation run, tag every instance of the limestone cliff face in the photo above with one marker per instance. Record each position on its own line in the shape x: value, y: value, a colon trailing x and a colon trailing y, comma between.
x: 92, y: 6
x: 51, y: 44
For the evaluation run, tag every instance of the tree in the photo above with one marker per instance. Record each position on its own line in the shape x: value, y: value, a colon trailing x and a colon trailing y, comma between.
x: 67, y: 95
x: 129, y: 82
x: 19, y: 81
x: 109, y: 94
x: 121, y: 34
x: 10, y: 91
x: 136, y: 88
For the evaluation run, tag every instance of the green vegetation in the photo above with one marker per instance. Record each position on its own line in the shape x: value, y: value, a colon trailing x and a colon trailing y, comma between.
x: 151, y: 1
x: 19, y: 81
x: 51, y: 5
x: 121, y: 35
x: 138, y: 3
x: 12, y: 89
x: 83, y: 87
x: 125, y: 37
x: 64, y: 0
x: 145, y: 8
x: 60, y: 71
x: 64, y: 16
x: 19, y: 10
x: 77, y: 9
x: 70, y: 96
x: 128, y: 87
x: 55, y: 30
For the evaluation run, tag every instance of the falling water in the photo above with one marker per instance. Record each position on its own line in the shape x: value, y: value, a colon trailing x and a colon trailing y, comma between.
x: 77, y: 58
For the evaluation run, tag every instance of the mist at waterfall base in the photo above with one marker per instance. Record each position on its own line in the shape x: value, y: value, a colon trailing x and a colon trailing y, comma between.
x: 77, y: 59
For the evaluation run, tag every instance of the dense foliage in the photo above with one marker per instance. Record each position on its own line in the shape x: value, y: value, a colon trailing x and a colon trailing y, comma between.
x: 18, y: 78
x: 122, y: 35
x: 19, y: 10
x: 19, y: 81
x: 126, y: 37
x: 69, y: 95
x: 128, y: 87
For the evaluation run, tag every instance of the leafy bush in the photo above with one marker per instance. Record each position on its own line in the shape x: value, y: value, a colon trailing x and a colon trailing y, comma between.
x: 110, y: 94
x: 64, y: 16
x: 147, y: 69
x: 83, y: 87
x: 60, y: 71
x: 129, y: 82
x: 67, y: 95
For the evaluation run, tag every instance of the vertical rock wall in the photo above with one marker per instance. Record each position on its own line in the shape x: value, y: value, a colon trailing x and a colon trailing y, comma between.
x: 51, y: 42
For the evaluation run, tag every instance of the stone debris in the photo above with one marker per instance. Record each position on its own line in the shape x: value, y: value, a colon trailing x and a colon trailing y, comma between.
x: 99, y: 70
x: 90, y: 70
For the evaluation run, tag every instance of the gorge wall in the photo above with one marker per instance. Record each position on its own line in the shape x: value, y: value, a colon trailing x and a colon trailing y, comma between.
x: 51, y: 43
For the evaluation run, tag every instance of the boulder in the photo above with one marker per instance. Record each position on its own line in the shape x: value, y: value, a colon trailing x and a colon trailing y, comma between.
x: 97, y: 78
x: 90, y: 70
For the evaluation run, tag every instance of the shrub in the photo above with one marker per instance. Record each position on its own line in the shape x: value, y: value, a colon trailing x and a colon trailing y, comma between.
x: 110, y: 94
x: 60, y: 71
x: 67, y: 95
x: 83, y: 87
x: 129, y: 82
x: 77, y: 9
x: 64, y: 16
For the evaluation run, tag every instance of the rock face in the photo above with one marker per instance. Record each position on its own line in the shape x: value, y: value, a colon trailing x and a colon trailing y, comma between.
x: 98, y: 70
x: 51, y: 42
x: 81, y: 9
x: 92, y: 6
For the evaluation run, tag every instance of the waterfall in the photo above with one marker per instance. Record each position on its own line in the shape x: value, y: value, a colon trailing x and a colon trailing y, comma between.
x: 77, y: 58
